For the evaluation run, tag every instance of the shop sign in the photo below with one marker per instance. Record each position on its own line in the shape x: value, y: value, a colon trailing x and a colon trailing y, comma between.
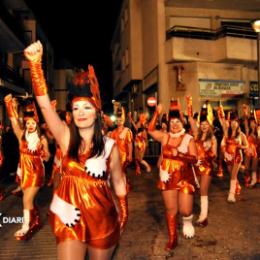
x: 253, y: 89
x: 221, y: 88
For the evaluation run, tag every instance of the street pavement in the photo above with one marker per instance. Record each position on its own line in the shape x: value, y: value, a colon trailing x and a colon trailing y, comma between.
x: 233, y: 231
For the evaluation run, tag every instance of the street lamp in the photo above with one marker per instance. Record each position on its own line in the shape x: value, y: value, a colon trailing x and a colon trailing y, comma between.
x: 256, y: 27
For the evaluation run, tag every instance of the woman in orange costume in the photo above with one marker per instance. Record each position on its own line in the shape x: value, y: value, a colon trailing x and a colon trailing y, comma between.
x: 176, y: 176
x: 123, y: 137
x: 206, y: 144
x: 83, y: 214
x: 251, y: 157
x: 232, y: 144
x: 33, y: 148
x: 140, y: 143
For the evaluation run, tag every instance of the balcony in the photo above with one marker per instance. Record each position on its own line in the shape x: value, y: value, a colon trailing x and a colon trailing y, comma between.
x: 228, y: 44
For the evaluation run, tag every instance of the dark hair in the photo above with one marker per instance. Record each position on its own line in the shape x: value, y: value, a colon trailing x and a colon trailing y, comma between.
x: 251, y: 130
x: 37, y: 129
x: 75, y: 139
x: 238, y: 130
x: 209, y: 134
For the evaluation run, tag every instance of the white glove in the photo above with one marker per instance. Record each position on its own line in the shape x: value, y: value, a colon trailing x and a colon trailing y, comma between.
x: 198, y: 163
x: 228, y: 157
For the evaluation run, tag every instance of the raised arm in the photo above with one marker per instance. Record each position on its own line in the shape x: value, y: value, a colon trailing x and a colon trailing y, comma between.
x: 132, y: 121
x: 156, y: 134
x: 193, y: 125
x: 60, y: 131
x: 119, y: 183
x: 13, y: 116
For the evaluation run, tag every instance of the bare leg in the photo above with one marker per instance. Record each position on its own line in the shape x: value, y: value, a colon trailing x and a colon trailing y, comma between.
x: 100, y: 254
x: 28, y: 197
x: 71, y: 249
x: 233, y: 181
x: 146, y: 164
x: 247, y: 171
x: 254, y: 172
x: 31, y: 218
x: 170, y: 198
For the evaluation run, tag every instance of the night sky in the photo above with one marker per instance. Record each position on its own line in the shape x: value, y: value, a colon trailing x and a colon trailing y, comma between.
x: 81, y: 31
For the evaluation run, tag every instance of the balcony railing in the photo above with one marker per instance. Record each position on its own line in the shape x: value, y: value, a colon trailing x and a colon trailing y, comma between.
x: 207, y: 34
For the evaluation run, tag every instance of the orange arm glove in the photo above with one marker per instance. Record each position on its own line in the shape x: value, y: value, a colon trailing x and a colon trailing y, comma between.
x: 9, y: 107
x: 123, y: 211
x: 187, y: 157
x: 153, y: 122
x: 38, y: 80
x: 189, y: 106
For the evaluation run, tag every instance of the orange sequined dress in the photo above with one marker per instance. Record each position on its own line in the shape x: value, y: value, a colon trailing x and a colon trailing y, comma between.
x: 205, y: 156
x: 252, y: 146
x: 232, y: 148
x: 85, y: 186
x: 31, y: 167
x: 140, y: 145
x: 176, y: 173
x: 123, y: 139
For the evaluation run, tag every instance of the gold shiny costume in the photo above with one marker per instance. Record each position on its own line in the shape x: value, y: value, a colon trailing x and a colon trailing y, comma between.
x: 232, y: 148
x: 176, y: 171
x: 31, y: 165
x: 98, y: 225
x: 206, y: 157
x: 140, y: 144
x: 122, y: 144
x: 252, y: 147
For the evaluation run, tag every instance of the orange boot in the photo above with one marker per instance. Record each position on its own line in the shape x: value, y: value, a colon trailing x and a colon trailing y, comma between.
x: 2, y: 195
x: 172, y: 230
x: 238, y: 188
x: 31, y: 223
x: 247, y: 178
x: 220, y: 173
x: 137, y: 168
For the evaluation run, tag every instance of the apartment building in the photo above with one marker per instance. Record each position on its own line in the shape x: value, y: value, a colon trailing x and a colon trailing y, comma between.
x: 170, y: 49
x: 19, y: 28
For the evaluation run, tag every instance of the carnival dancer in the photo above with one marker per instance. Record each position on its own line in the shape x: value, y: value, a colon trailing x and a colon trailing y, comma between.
x: 206, y: 144
x: 33, y: 148
x: 123, y: 137
x: 83, y: 215
x: 140, y: 142
x: 251, y: 157
x: 176, y: 176
x: 232, y: 144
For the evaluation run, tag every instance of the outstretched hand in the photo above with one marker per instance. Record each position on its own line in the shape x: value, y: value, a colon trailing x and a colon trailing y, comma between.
x: 159, y: 108
x: 8, y: 98
x: 34, y: 52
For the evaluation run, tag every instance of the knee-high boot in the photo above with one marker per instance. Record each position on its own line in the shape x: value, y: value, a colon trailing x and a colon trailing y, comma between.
x: 172, y: 232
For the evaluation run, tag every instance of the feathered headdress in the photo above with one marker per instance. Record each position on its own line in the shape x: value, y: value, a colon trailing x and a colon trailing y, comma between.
x: 174, y: 111
x: 85, y: 85
x: 206, y: 113
x: 30, y: 111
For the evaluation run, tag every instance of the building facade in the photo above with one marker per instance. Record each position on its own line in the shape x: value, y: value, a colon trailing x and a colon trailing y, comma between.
x: 170, y: 49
